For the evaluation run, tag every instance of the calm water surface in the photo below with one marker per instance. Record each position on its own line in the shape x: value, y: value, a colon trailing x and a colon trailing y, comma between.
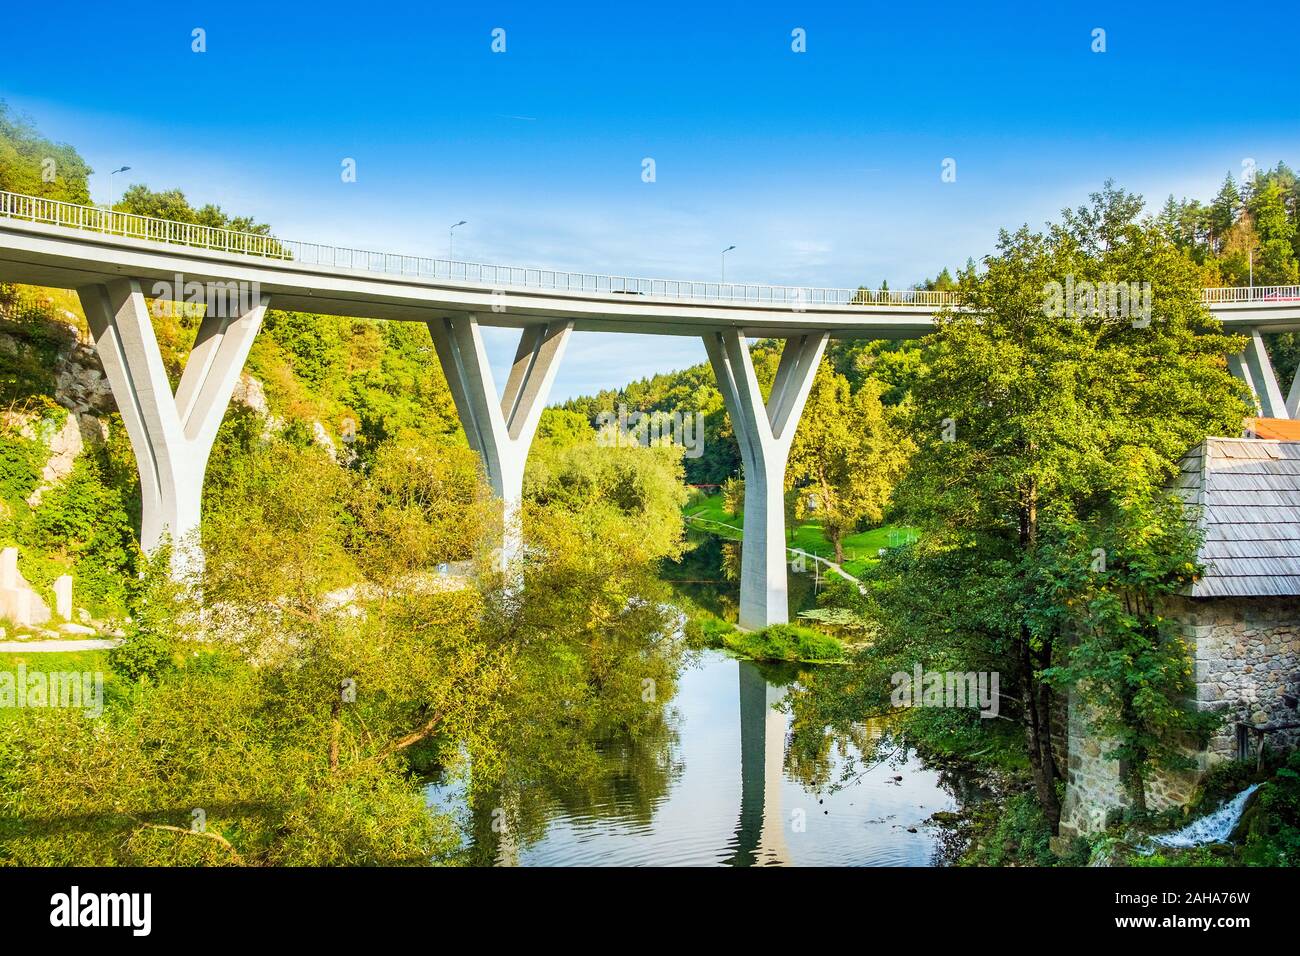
x: 734, y: 795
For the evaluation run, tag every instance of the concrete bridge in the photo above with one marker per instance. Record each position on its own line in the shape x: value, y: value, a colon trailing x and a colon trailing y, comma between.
x: 114, y: 260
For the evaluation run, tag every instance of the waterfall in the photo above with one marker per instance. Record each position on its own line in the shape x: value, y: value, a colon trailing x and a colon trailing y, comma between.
x: 1213, y: 828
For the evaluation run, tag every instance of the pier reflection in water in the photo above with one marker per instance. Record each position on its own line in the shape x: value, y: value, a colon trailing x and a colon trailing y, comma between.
x: 721, y: 787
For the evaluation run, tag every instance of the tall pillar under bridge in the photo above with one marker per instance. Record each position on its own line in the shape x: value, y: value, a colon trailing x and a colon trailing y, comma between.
x: 1254, y: 367
x: 171, y: 435
x: 764, y: 431
x: 501, y: 430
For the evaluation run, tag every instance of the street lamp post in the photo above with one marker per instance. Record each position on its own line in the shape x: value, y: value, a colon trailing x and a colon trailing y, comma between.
x: 451, y: 236
x: 121, y: 169
x: 724, y: 263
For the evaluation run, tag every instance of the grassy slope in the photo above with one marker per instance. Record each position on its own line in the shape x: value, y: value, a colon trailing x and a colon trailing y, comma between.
x: 859, y: 549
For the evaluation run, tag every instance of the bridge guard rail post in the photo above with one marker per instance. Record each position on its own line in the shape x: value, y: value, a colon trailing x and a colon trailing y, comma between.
x: 171, y: 435
x: 501, y: 431
x: 764, y: 432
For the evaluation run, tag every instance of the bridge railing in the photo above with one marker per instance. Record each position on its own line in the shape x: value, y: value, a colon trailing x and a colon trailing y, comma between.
x: 1257, y: 293
x: 111, y: 222
x: 131, y: 225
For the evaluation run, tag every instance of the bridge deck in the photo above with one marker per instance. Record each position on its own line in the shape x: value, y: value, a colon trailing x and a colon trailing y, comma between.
x: 63, y: 245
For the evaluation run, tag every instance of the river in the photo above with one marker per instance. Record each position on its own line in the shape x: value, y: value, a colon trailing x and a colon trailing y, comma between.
x: 725, y: 787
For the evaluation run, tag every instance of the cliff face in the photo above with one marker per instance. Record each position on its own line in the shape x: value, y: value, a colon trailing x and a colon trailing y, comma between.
x: 81, y: 388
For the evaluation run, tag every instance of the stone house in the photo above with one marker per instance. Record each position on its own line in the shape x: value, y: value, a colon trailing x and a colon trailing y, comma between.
x: 1241, y: 621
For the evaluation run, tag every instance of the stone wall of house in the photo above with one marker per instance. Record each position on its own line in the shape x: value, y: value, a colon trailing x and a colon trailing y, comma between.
x: 1246, y: 654
x: 1093, y: 786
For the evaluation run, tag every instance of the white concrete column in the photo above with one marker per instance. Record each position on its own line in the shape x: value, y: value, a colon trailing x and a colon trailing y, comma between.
x: 501, y: 430
x: 1293, y: 397
x: 172, y: 435
x: 1255, y: 369
x: 63, y: 596
x: 764, y: 432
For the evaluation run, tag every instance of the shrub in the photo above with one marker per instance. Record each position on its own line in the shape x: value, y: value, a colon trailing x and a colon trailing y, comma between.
x: 1013, y: 832
x: 706, y: 630
x: 20, y: 467
x: 149, y: 648
x: 785, y: 642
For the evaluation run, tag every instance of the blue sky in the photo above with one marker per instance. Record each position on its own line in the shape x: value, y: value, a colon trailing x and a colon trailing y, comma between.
x: 822, y: 167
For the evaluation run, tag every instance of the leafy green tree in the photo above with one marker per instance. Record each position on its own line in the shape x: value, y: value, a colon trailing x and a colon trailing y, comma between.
x: 427, y: 499
x: 733, y: 495
x: 171, y: 204
x: 291, y: 715
x: 564, y: 427
x: 1275, y: 263
x: 275, y: 529
x: 628, y: 495
x: 33, y: 165
x: 595, y: 654
x: 1284, y: 350
x: 943, y: 282
x: 1028, y: 419
x: 1105, y: 578
x: 158, y: 626
x: 84, y: 520
x: 1223, y: 211
x: 845, y: 456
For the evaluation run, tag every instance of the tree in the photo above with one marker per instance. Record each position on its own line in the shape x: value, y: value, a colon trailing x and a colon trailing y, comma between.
x: 845, y: 455
x: 1275, y: 263
x: 943, y: 282
x: 1105, y: 578
x: 629, y: 500
x: 1099, y: 224
x: 423, y: 502
x: 33, y: 165
x: 171, y: 204
x: 1223, y: 212
x: 733, y: 495
x: 1028, y: 419
x: 289, y: 716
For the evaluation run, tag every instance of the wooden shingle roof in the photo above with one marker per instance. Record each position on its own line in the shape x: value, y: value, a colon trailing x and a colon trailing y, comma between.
x: 1245, y: 493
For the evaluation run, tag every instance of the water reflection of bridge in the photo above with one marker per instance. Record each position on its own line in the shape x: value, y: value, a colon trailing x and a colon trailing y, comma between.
x: 760, y: 830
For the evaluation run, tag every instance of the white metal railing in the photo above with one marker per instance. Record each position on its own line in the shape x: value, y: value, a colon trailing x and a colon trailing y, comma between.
x: 1256, y: 293
x: 98, y: 219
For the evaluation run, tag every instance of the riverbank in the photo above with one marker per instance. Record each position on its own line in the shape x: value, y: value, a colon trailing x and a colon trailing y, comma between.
x: 861, y: 549
x: 787, y: 643
x: 1239, y: 816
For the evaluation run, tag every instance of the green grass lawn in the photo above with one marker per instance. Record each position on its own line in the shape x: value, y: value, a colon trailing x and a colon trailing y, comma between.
x: 860, y: 549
